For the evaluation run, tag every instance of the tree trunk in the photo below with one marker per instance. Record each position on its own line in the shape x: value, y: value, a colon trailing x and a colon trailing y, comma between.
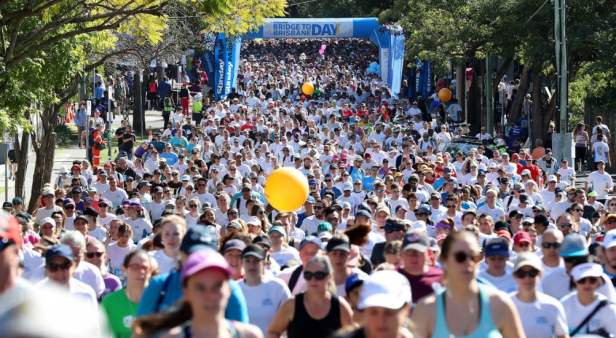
x: 160, y: 71
x: 475, y: 114
x: 542, y: 110
x: 516, y: 108
x: 499, y: 75
x: 50, y: 156
x: 44, y: 151
x: 22, y: 149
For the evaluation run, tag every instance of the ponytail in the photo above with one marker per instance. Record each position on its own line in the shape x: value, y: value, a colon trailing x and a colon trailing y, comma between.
x: 158, y: 322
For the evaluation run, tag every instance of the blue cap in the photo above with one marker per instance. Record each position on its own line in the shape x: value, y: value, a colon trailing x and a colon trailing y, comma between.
x: 311, y: 239
x: 314, y: 182
x: 393, y: 225
x: 424, y: 209
x: 185, y: 178
x: 324, y: 226
x: 18, y: 199
x: 279, y: 229
x: 573, y: 245
x: 362, y: 213
x: 328, y: 175
x: 364, y: 206
x: 199, y: 237
x: 497, y: 247
x: 310, y: 200
x: 354, y: 281
x: 59, y: 250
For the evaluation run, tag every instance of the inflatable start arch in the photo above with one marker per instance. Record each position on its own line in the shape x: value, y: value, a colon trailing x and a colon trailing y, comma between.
x: 221, y: 65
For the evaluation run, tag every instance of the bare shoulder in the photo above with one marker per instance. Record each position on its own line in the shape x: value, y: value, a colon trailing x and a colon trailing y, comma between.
x: 500, y: 302
x: 423, y: 317
x: 427, y: 303
x: 248, y: 330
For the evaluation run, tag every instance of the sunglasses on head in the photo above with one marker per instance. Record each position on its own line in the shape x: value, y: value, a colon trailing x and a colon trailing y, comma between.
x: 319, y: 275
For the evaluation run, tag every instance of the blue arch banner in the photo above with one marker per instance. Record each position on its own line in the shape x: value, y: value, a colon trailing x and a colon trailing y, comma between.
x: 391, y: 46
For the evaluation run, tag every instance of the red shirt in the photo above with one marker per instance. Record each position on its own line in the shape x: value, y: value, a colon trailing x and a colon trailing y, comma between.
x: 425, y: 284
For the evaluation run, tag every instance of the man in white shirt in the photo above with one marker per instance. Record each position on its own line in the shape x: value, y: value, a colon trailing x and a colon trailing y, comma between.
x: 551, y: 241
x: 102, y: 185
x: 114, y: 194
x: 600, y: 181
x: 60, y: 266
x: 496, y: 256
x: 84, y: 272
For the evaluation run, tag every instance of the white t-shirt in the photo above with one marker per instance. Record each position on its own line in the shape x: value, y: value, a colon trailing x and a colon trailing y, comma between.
x: 263, y: 300
x: 99, y: 233
x: 576, y: 312
x: 165, y: 263
x: 116, y: 255
x: 504, y: 283
x: 285, y: 255
x: 42, y: 213
x: 600, y: 151
x: 100, y: 187
x: 156, y: 209
x: 141, y: 227
x: 79, y: 289
x: 32, y: 260
x: 599, y: 183
x: 542, y: 318
x: 90, y: 275
x: 116, y: 197
x: 106, y: 220
x: 496, y: 213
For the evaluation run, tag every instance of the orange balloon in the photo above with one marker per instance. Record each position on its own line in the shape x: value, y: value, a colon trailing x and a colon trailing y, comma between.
x: 308, y: 88
x: 444, y: 94
x: 286, y: 189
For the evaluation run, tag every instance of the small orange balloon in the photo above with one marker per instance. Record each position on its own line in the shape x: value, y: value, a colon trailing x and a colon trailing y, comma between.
x: 444, y: 94
x: 308, y: 88
x: 286, y: 189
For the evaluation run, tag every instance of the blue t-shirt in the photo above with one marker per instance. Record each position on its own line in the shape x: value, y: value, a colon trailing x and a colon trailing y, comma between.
x: 170, y: 158
x: 179, y: 142
x: 236, y: 307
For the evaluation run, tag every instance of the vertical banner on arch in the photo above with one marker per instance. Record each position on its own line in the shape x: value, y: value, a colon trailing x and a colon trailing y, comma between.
x: 419, y: 77
x: 220, y: 59
x: 428, y: 79
x: 233, y: 60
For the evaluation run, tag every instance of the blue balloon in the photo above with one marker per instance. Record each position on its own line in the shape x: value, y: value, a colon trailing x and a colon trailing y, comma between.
x: 435, y: 104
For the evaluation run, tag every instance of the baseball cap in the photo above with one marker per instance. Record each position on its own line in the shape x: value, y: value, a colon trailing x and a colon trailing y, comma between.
x: 497, y: 247
x: 354, y: 280
x: 573, y: 245
x: 552, y: 178
x: 424, y: 209
x: 500, y: 225
x: 234, y: 244
x: 586, y: 270
x: 609, y: 239
x: 338, y: 244
x: 204, y: 259
x: 90, y: 212
x: 10, y: 230
x: 387, y: 288
x: 59, y: 250
x: 393, y: 225
x: 324, y: 226
x: 311, y: 239
x: 362, y: 213
x: 415, y: 240
x: 279, y: 229
x: 253, y: 250
x: 263, y: 239
x: 514, y: 213
x: 527, y: 259
x: 542, y: 219
x: 522, y: 237
x: 312, y: 182
x: 504, y: 234
x: 7, y: 205
x: 310, y: 200
x: 198, y: 237
x: 347, y: 187
x: 48, y: 220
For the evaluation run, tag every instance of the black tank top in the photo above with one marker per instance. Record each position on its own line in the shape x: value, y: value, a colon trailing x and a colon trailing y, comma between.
x: 303, y: 325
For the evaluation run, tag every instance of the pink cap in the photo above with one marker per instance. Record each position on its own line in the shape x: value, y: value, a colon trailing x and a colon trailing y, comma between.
x: 522, y: 237
x: 204, y: 259
x: 336, y: 157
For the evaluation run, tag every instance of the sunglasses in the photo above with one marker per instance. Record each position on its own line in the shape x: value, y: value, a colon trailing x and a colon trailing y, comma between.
x: 94, y: 254
x: 591, y: 280
x: 357, y: 183
x: 462, y: 257
x: 318, y: 208
x: 201, y: 185
x: 70, y: 207
x: 193, y: 205
x: 54, y: 267
x: 578, y: 210
x: 547, y: 245
x: 565, y: 225
x: 333, y: 219
x: 319, y: 275
x: 233, y: 214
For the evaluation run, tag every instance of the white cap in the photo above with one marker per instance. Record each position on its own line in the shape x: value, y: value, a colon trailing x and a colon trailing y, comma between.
x: 563, y: 185
x: 420, y: 225
x: 609, y: 239
x: 63, y: 170
x: 325, y: 235
x: 347, y: 187
x: 387, y: 288
x: 483, y: 166
x: 552, y: 178
x: 253, y: 221
x: 586, y: 270
x: 492, y: 165
x: 48, y: 220
x: 526, y: 172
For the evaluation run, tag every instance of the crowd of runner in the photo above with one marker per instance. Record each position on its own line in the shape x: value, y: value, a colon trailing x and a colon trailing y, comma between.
x: 399, y: 237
